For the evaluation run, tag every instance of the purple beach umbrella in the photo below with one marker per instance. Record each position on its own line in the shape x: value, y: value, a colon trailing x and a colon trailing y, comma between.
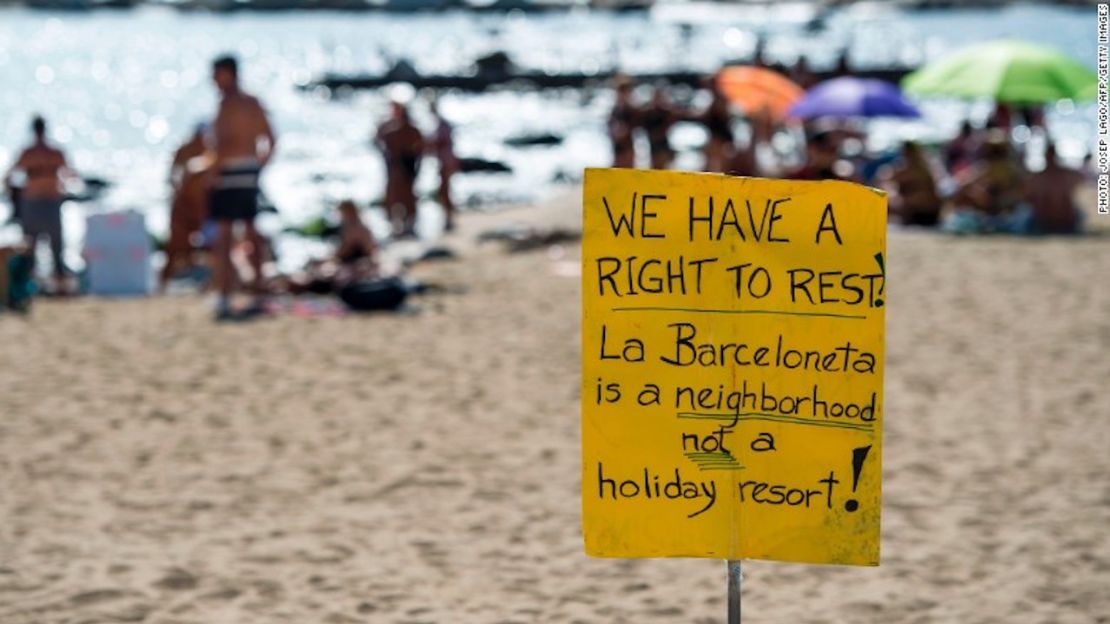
x: 853, y: 97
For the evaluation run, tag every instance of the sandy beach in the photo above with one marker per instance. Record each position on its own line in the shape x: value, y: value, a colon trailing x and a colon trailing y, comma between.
x: 157, y: 467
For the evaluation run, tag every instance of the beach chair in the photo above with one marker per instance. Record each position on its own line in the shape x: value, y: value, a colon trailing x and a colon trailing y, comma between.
x: 117, y: 254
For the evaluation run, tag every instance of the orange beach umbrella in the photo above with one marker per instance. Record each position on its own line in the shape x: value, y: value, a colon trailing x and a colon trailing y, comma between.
x: 755, y: 89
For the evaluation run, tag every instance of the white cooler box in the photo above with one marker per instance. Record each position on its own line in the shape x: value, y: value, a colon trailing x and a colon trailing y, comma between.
x: 117, y: 254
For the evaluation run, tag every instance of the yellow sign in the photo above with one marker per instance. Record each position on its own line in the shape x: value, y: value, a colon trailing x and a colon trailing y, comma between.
x: 732, y: 367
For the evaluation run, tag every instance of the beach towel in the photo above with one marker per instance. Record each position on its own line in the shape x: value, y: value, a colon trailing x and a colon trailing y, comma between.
x: 306, y: 307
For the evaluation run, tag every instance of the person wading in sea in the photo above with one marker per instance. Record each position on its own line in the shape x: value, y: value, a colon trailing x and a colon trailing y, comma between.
x: 243, y: 142
x: 40, y: 199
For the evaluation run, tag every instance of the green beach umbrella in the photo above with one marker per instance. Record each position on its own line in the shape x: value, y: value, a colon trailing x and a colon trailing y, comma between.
x: 1006, y: 71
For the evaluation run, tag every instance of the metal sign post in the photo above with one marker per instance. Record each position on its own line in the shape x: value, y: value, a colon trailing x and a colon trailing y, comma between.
x: 735, y: 579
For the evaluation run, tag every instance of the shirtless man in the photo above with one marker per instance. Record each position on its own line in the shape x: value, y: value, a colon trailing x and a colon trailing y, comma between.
x: 1050, y: 194
x: 40, y: 202
x: 243, y: 143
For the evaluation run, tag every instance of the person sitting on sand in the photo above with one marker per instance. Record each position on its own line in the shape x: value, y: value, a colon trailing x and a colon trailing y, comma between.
x: 913, y: 190
x: 357, y: 248
x: 355, y: 258
x: 189, y: 206
x: 993, y: 184
x: 989, y: 191
x: 1050, y: 194
x: 402, y: 146
x: 40, y: 200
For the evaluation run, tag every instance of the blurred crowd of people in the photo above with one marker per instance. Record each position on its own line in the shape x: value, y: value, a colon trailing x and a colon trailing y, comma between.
x: 975, y: 183
x: 213, y: 187
x: 216, y: 196
x: 655, y: 119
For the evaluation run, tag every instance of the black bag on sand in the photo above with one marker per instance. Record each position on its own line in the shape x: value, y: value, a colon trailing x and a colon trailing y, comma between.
x: 380, y: 294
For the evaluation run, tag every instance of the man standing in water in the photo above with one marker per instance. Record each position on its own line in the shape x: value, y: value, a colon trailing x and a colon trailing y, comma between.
x: 40, y: 198
x: 243, y: 142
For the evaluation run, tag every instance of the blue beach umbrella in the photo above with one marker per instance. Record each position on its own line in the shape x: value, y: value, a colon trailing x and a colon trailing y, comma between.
x: 853, y: 97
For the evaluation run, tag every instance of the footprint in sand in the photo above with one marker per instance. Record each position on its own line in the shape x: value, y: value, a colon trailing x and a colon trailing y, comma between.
x: 225, y: 594
x: 96, y: 596
x: 177, y: 580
